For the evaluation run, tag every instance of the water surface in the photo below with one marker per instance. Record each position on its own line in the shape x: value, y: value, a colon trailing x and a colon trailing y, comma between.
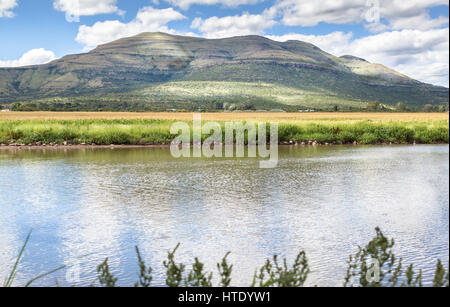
x: 87, y: 204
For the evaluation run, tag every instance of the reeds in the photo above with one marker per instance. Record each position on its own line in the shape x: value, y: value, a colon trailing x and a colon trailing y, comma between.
x: 12, y: 276
x: 157, y: 132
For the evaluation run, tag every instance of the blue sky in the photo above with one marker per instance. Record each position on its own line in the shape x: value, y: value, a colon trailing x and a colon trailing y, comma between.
x: 408, y: 36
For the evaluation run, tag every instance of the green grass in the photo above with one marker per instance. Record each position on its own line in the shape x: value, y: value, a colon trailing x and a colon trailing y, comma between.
x: 9, y: 281
x: 100, y: 132
x: 367, y: 132
x: 261, y: 94
x: 156, y: 132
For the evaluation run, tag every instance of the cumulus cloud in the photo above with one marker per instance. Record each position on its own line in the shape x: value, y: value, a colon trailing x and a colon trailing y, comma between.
x: 377, y: 15
x: 185, y: 4
x: 148, y: 19
x: 6, y: 7
x: 336, y: 43
x: 411, y: 14
x: 420, y: 54
x: 76, y: 8
x: 245, y: 24
x: 312, y: 12
x: 32, y: 57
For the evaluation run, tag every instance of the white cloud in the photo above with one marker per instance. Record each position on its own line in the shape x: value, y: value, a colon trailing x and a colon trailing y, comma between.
x: 32, y: 57
x: 6, y: 6
x: 244, y: 24
x: 185, y: 4
x: 148, y: 19
x: 312, y: 12
x: 420, y: 54
x: 336, y: 43
x: 377, y: 15
x: 411, y: 14
x: 76, y: 8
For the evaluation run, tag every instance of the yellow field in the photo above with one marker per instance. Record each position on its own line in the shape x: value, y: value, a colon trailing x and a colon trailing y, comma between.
x: 13, y: 116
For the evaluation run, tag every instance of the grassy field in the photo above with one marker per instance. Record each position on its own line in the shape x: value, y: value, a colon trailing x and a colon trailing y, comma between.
x: 37, y: 128
x: 260, y: 94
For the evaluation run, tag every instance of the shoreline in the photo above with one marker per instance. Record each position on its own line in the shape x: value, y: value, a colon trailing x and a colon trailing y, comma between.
x: 160, y: 146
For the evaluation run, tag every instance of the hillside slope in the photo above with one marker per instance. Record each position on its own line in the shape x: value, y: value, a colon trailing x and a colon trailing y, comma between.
x: 152, y: 70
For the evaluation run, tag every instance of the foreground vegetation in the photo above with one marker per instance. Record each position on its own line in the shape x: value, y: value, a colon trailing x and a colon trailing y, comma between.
x: 362, y: 271
x: 292, y: 130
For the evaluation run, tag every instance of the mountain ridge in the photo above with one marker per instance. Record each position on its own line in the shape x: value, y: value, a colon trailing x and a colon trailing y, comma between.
x: 124, y: 67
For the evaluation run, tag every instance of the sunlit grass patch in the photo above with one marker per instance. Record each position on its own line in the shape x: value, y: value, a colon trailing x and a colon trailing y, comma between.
x: 142, y: 131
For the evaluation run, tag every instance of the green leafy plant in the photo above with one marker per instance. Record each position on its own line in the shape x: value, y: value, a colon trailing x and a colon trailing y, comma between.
x: 145, y: 274
x: 274, y: 274
x: 174, y: 271
x: 441, y: 276
x: 197, y: 277
x: 225, y: 271
x: 105, y: 277
x: 386, y: 270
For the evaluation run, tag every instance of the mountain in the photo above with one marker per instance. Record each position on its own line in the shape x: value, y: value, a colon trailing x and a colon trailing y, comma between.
x: 156, y: 71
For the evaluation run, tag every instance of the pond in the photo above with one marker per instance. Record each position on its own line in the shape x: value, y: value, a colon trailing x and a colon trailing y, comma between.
x: 84, y: 205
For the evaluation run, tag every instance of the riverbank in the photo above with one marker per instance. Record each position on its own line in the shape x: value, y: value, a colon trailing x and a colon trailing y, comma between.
x: 294, y: 129
x: 71, y: 146
x: 162, y: 146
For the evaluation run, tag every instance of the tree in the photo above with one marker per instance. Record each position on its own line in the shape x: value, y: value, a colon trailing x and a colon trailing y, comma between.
x: 373, y: 106
x: 428, y: 108
x: 401, y: 106
x: 248, y: 106
x: 443, y: 108
x: 16, y: 106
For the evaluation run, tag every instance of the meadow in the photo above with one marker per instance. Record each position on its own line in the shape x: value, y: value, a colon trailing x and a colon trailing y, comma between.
x: 85, y: 128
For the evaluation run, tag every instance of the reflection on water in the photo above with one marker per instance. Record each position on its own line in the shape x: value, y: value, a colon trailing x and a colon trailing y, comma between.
x: 85, y: 205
